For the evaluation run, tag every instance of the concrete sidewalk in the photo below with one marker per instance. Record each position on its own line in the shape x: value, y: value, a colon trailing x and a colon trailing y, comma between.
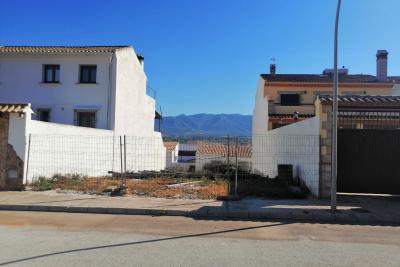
x: 363, y: 210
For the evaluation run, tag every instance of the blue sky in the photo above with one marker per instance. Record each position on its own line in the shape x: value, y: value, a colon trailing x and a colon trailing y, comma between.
x: 205, y: 56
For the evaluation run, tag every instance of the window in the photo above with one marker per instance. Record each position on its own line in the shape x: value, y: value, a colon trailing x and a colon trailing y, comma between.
x: 85, y: 118
x: 290, y: 99
x: 87, y: 74
x: 43, y: 114
x: 51, y: 73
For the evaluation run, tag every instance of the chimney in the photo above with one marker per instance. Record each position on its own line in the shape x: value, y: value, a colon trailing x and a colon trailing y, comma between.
x: 141, y: 59
x: 381, y: 65
x: 272, y: 69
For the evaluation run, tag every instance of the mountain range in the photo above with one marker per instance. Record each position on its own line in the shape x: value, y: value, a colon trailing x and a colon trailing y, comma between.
x: 207, y: 125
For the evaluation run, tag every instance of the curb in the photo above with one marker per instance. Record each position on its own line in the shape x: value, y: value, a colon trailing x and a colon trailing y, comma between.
x: 218, y: 213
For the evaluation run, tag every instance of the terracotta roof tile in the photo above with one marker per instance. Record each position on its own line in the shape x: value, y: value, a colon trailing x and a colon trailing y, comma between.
x: 170, y: 146
x: 12, y: 107
x: 58, y: 49
x: 244, y: 151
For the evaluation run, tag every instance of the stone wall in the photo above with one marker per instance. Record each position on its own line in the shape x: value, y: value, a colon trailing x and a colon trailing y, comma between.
x: 11, y: 166
x: 324, y: 112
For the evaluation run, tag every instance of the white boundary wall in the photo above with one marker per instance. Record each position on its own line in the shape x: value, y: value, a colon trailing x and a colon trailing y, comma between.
x: 296, y: 144
x: 57, y: 148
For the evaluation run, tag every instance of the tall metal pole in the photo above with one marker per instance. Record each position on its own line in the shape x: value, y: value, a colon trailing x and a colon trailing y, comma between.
x: 334, y: 112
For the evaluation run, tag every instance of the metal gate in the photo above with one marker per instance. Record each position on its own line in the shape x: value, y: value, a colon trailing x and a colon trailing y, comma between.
x: 369, y: 153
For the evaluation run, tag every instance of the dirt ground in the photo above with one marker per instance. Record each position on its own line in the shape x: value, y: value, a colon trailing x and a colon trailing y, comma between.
x: 152, y: 187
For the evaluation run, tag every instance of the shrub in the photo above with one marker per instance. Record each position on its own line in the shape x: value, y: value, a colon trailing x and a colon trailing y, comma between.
x: 42, y: 184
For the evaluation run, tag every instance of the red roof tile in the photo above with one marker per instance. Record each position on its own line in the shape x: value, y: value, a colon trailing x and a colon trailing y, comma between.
x: 243, y: 151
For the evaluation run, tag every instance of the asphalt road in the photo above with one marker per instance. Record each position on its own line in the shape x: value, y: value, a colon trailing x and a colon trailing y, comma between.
x: 64, y: 239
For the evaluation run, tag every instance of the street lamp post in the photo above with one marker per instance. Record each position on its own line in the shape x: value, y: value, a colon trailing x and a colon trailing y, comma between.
x: 334, y: 112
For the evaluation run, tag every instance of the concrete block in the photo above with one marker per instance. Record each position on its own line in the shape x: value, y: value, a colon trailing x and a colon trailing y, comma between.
x: 58, y: 208
x: 136, y: 211
x: 77, y: 209
x: 156, y: 212
x: 99, y: 210
x: 176, y: 212
x: 4, y: 207
x: 39, y: 208
x: 116, y: 211
x: 20, y: 207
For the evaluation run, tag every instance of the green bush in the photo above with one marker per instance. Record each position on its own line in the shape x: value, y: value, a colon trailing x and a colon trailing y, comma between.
x: 42, y: 184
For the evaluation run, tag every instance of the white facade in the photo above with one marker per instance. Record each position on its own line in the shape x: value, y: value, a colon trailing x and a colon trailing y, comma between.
x: 260, y: 112
x: 118, y: 96
x: 171, y: 156
x: 296, y: 144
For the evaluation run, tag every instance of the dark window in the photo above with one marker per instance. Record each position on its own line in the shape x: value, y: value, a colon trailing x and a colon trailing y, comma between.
x: 85, y: 118
x: 87, y: 74
x: 51, y: 73
x: 43, y: 114
x: 290, y: 99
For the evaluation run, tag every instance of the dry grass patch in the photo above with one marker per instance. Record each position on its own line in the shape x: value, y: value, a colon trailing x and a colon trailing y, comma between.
x: 151, y: 187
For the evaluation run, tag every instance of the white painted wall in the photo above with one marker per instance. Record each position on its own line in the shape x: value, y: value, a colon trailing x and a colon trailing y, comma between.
x: 21, y: 81
x: 134, y: 110
x: 171, y: 157
x: 260, y: 112
x: 119, y: 95
x: 65, y: 149
x: 396, y: 90
x: 296, y: 144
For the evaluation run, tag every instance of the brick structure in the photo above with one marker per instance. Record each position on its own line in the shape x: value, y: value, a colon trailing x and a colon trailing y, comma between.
x: 324, y: 112
x: 11, y: 166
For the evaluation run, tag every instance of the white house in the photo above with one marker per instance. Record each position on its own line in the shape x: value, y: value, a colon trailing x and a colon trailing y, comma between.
x: 93, y: 86
x: 83, y: 99
x: 171, y: 154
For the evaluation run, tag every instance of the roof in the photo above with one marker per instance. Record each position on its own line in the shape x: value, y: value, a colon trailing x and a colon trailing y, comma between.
x: 170, y: 146
x: 12, y: 107
x: 59, y: 49
x: 289, y: 115
x: 320, y: 78
x: 363, y: 100
x: 243, y: 151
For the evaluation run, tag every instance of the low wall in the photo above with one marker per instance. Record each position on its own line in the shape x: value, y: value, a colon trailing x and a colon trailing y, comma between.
x: 296, y: 144
x: 58, y: 148
x: 201, y: 160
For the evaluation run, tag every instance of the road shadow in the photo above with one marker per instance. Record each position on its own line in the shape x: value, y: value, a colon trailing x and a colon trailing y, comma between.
x: 139, y: 243
x: 350, y: 212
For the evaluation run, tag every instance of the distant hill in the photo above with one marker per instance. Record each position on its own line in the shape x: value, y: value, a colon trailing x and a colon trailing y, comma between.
x: 207, y: 125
